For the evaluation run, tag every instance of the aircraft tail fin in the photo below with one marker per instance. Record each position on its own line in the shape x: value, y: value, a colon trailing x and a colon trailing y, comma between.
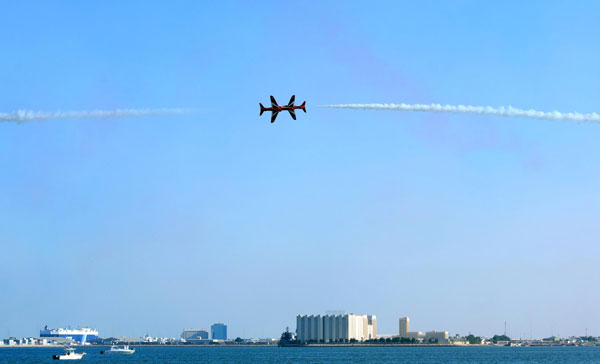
x: 303, y: 106
x: 262, y: 108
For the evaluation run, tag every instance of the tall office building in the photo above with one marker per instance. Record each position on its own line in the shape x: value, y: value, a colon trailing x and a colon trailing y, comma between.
x: 334, y: 328
x: 404, y: 327
x: 218, y: 331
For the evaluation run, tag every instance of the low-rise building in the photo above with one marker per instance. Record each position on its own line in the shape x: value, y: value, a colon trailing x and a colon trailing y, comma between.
x: 194, y: 334
x: 439, y: 337
x: 414, y: 335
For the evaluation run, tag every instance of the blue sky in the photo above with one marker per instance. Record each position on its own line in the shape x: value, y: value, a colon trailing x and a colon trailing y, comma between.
x: 152, y: 225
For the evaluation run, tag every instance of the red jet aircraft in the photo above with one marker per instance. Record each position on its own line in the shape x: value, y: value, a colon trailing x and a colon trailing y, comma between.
x: 276, y: 109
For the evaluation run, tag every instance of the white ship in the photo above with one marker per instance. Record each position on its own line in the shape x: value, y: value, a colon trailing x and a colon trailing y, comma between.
x: 81, y: 335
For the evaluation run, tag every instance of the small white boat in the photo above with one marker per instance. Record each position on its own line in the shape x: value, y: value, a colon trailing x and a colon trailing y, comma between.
x: 69, y: 354
x: 114, y: 349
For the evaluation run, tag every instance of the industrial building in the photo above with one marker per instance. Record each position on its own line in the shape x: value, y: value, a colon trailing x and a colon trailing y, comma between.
x: 218, y: 331
x: 336, y: 328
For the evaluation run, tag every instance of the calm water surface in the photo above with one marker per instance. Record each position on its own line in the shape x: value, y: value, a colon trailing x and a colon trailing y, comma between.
x: 267, y: 355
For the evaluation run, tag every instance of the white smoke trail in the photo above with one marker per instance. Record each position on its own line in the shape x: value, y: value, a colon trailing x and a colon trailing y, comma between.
x: 481, y: 110
x: 22, y: 116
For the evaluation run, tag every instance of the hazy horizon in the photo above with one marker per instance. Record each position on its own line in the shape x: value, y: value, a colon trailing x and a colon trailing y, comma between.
x: 164, y: 222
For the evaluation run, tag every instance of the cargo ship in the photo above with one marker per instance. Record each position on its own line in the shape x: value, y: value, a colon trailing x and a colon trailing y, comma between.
x: 81, y: 335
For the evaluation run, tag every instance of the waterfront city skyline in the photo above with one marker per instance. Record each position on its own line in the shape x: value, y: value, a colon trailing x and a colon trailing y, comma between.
x: 150, y: 225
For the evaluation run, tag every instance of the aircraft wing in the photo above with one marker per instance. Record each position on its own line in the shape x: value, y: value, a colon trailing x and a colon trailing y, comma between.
x: 293, y: 113
x: 273, y: 102
x: 274, y: 116
x: 291, y: 103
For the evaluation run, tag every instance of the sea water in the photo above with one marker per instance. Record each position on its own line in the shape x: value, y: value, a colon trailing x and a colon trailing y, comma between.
x: 317, y: 355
